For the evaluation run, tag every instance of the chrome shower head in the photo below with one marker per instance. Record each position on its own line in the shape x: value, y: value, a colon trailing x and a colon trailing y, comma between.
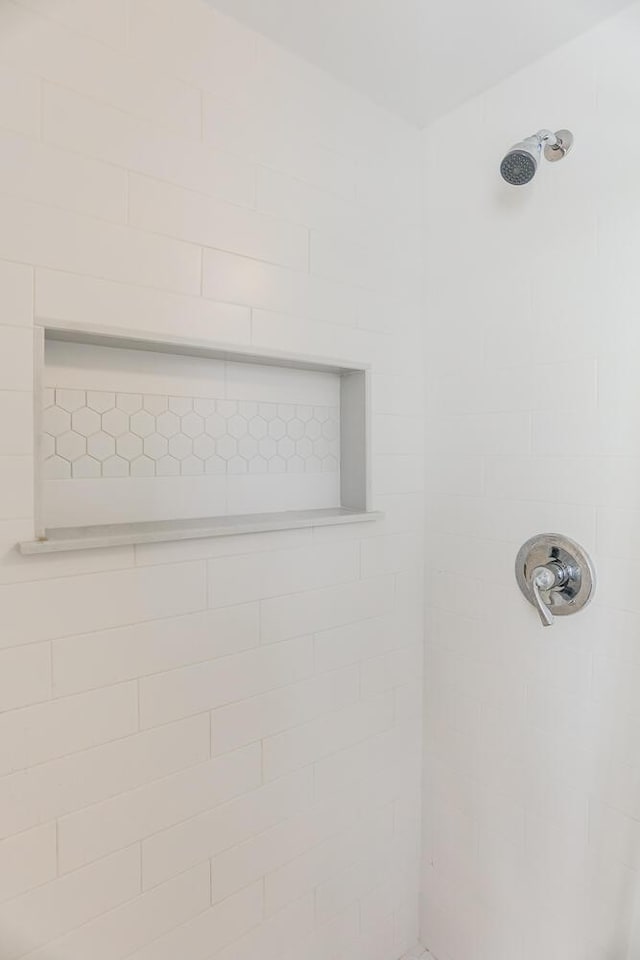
x: 520, y: 165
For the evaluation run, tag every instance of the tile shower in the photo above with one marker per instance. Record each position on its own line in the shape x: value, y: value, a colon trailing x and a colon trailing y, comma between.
x: 222, y: 749
x: 208, y: 748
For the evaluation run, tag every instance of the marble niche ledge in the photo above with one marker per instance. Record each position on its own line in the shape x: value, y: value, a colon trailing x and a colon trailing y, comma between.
x: 65, y: 539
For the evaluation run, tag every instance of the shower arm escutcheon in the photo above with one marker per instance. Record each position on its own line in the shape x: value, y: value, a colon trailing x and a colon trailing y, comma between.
x: 556, y: 576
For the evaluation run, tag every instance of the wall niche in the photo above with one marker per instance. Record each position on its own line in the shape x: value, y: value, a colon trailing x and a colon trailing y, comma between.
x: 141, y: 440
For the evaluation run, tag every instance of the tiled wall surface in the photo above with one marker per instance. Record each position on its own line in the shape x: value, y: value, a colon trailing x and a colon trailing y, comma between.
x: 89, y: 434
x: 191, y: 436
x: 207, y: 749
x: 533, y: 759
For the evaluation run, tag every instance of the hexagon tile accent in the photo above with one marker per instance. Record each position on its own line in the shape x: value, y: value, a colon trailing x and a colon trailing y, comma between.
x: 90, y: 434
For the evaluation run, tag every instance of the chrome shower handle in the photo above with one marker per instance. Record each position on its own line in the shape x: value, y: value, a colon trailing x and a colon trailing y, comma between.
x: 555, y: 575
x: 543, y: 578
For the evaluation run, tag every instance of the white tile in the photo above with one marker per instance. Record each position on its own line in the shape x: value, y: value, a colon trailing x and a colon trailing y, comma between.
x: 112, y: 104
x: 277, y: 933
x: 302, y: 203
x: 35, y: 171
x: 59, y: 787
x: 16, y: 293
x: 106, y: 657
x: 398, y: 435
x: 394, y: 669
x: 374, y: 263
x: 277, y: 331
x: 116, y: 934
x: 136, y: 374
x: 397, y: 474
x: 247, y: 862
x: 270, y: 141
x: 280, y: 491
x: 27, y: 861
x: 388, y: 313
x: 16, y: 423
x: 42, y: 732
x: 341, y: 936
x: 162, y: 208
x: 303, y: 874
x: 180, y: 693
x: 102, y: 21
x: 211, y: 930
x: 16, y: 489
x: 366, y: 766
x: 203, y: 47
x: 16, y: 358
x: 51, y: 609
x: 238, y: 279
x: 357, y: 641
x: 260, y: 717
x: 397, y: 395
x: 241, y: 579
x: 67, y: 241
x: 90, y: 67
x: 37, y: 917
x: 354, y: 883
x: 389, y: 554
x: 318, y: 738
x: 170, y: 852
x: 283, y: 617
x: 488, y: 434
x: 25, y: 676
x: 69, y: 297
x: 74, y: 122
x: 221, y: 546
x: 263, y: 384
x: 20, y: 107
x: 113, y: 824
x: 509, y: 520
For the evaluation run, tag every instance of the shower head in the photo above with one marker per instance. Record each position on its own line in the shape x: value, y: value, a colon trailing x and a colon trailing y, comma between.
x: 520, y: 165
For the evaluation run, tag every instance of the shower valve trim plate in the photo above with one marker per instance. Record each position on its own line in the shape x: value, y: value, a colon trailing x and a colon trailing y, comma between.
x: 556, y: 575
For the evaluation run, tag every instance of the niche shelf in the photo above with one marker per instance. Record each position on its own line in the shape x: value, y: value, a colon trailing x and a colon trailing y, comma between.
x: 144, y: 440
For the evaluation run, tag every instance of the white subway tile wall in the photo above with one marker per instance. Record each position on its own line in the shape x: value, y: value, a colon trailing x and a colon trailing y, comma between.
x: 207, y: 749
x: 532, y: 751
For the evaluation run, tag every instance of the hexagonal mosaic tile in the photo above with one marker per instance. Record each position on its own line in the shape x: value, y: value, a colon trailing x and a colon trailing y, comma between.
x: 92, y: 434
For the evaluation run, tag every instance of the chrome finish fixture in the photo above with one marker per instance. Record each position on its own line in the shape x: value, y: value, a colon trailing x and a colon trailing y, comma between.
x: 555, y: 575
x: 520, y: 165
x: 559, y: 149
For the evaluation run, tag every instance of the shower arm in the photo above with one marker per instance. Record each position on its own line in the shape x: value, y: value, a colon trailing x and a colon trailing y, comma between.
x: 554, y: 145
x: 546, y: 137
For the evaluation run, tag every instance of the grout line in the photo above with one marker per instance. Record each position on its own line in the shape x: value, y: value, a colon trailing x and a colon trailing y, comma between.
x: 138, y: 704
x: 57, y: 840
x: 127, y: 198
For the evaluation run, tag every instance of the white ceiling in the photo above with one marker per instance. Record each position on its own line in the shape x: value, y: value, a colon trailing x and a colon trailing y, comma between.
x: 420, y: 58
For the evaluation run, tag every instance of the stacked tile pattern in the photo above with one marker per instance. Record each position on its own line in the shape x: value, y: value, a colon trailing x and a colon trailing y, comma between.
x: 532, y: 807
x: 208, y: 750
x: 91, y: 434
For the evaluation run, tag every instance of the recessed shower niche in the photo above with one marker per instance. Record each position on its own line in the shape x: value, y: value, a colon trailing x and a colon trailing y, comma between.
x: 143, y: 440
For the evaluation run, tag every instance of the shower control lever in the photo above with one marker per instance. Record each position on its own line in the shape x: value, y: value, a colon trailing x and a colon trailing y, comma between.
x: 544, y: 579
x: 555, y: 575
